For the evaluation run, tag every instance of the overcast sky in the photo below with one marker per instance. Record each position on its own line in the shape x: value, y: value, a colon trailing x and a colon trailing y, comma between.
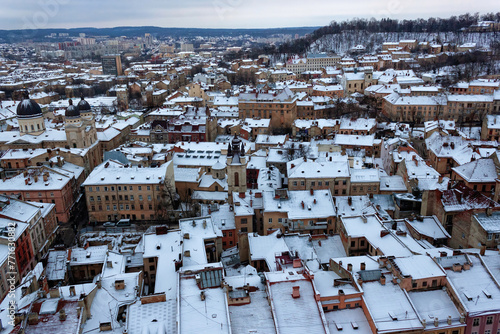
x: 21, y: 14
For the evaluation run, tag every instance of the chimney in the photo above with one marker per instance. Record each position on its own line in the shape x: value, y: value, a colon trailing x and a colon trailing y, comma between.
x: 62, y: 315
x: 483, y: 249
x: 383, y: 233
x: 436, y: 321
x: 382, y: 279
x: 72, y: 292
x: 466, y: 266
x: 489, y: 211
x: 449, y: 320
x: 119, y: 284
x: 296, y: 292
x: 362, y: 266
x: 45, y: 177
x: 312, y: 192
x: 349, y: 267
x: 424, y: 323
x: 457, y: 267
x: 202, y: 295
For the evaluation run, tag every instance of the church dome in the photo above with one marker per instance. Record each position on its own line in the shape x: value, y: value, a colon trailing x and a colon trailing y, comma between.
x: 72, y: 111
x: 83, y: 105
x: 28, y: 109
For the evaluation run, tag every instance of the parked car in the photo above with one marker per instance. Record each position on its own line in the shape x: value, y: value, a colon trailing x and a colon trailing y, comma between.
x: 123, y: 223
x: 109, y: 224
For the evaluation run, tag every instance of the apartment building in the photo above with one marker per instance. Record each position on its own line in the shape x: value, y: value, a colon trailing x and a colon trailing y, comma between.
x: 114, y: 191
x: 312, y: 62
x: 56, y: 185
x: 280, y: 107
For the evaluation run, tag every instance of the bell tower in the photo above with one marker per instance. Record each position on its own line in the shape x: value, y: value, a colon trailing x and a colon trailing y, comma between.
x: 236, y: 167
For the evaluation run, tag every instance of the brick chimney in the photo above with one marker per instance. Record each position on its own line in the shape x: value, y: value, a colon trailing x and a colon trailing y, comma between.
x: 296, y: 292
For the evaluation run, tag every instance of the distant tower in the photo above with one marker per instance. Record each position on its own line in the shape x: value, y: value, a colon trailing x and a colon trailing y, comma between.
x: 30, y: 117
x: 236, y: 167
x: 122, y: 99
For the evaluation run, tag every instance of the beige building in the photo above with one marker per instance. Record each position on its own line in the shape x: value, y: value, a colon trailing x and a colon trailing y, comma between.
x: 114, y: 191
x: 280, y: 107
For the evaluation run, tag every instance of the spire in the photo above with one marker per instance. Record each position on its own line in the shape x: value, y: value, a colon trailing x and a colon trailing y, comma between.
x: 242, y: 150
x: 229, y: 151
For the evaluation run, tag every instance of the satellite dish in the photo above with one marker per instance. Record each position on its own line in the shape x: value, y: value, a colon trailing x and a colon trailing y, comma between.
x: 398, y: 280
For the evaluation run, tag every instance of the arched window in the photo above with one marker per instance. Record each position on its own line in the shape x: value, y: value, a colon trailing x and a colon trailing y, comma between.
x: 32, y: 127
x: 236, y: 179
x: 38, y: 126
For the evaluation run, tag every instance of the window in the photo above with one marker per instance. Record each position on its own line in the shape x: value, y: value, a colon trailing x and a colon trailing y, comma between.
x: 91, y: 198
x: 243, y: 220
x: 131, y: 197
x: 244, y: 229
x: 140, y: 187
x: 98, y: 198
x: 148, y: 187
x: 149, y: 197
x: 475, y: 322
x: 236, y: 179
x: 489, y: 320
x: 140, y: 197
x: 90, y: 189
x: 270, y: 220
